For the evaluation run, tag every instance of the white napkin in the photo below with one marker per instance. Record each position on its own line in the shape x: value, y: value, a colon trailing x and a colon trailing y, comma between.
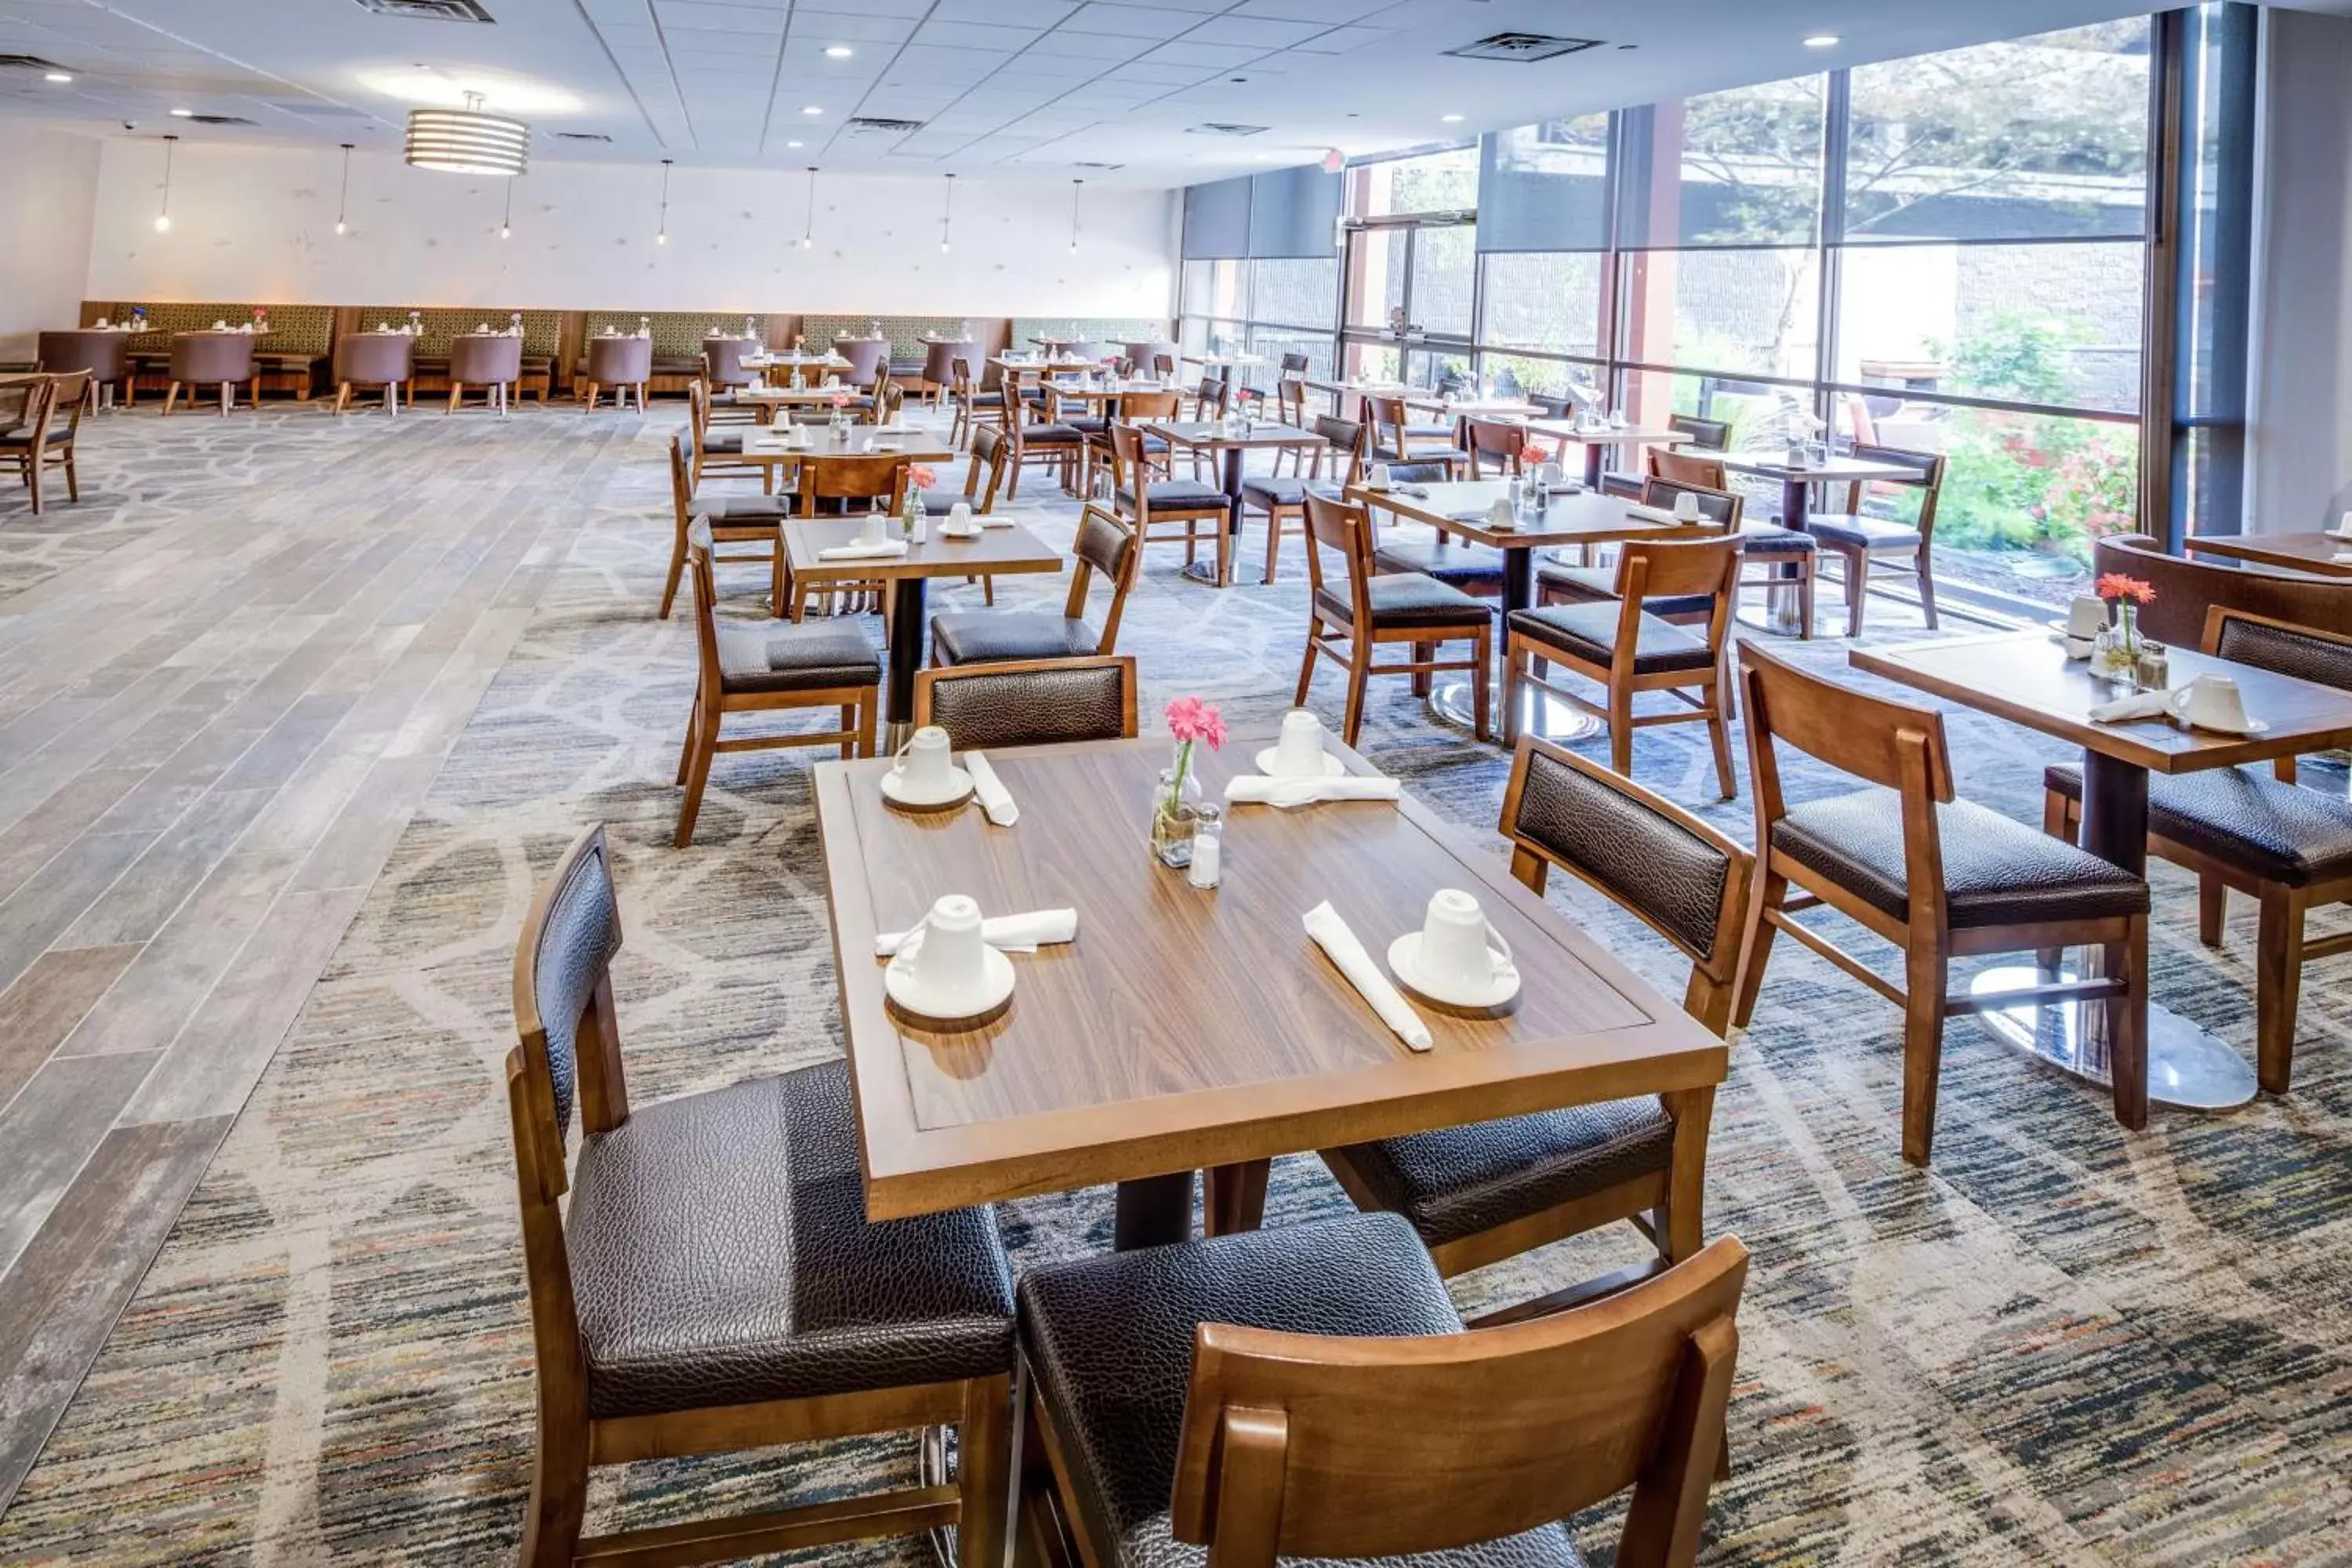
x: 2342, y: 557
x: 994, y: 798
x: 2129, y: 710
x: 989, y: 520
x: 1006, y: 933
x: 1339, y: 944
x: 1652, y: 514
x: 880, y: 550
x: 1258, y: 789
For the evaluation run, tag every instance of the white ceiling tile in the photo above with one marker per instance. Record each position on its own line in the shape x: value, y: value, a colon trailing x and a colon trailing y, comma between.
x: 1128, y: 21
x: 1207, y: 57
x: 1329, y: 13
x: 974, y: 35
x: 697, y: 16
x: 1005, y: 13
x: 1088, y: 46
x: 1251, y: 32
x: 1342, y: 40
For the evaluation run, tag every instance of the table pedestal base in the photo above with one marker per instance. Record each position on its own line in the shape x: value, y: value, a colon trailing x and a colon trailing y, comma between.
x: 1540, y: 714
x: 2186, y: 1065
x: 1153, y: 1211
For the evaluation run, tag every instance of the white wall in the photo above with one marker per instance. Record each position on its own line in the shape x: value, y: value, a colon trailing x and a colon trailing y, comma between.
x: 49, y: 189
x: 259, y: 223
x: 2299, y: 442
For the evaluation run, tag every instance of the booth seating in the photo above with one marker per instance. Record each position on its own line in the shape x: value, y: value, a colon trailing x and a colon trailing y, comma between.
x: 677, y: 342
x: 438, y: 328
x: 288, y: 359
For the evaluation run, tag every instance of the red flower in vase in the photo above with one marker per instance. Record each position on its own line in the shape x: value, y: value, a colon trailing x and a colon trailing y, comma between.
x: 1189, y: 720
x: 2116, y: 585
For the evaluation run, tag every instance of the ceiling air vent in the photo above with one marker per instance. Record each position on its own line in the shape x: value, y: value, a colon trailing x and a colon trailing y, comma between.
x: 429, y: 10
x: 866, y: 125
x: 28, y: 62
x: 1215, y: 128
x: 581, y: 136
x: 1524, y: 48
x: 1106, y: 167
x: 215, y: 119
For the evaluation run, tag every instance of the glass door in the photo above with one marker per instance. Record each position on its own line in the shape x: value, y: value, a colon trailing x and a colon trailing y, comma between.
x: 1410, y: 299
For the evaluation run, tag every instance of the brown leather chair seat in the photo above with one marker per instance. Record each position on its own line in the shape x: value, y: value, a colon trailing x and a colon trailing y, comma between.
x: 1050, y: 435
x: 1110, y: 1342
x: 740, y: 509
x: 1997, y: 872
x: 2277, y: 831
x: 1865, y: 532
x: 1264, y: 490
x: 1472, y: 568
x: 1459, y: 1180
x: 794, y: 657
x: 1170, y: 493
x: 1409, y: 599
x: 997, y: 636
x: 1762, y: 540
x: 1590, y: 632
x: 682, y: 1250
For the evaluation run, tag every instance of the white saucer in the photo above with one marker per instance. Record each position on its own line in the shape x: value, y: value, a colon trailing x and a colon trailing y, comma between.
x: 1332, y: 767
x: 970, y: 531
x: 2253, y: 726
x: 1406, y: 948
x: 896, y: 794
x: 899, y: 984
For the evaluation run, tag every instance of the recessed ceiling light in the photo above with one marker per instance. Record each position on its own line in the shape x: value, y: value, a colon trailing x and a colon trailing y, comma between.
x: 56, y: 75
x: 1824, y: 41
x: 184, y: 114
x: 792, y: 143
x: 1451, y: 118
x: 839, y: 52
x: 812, y: 108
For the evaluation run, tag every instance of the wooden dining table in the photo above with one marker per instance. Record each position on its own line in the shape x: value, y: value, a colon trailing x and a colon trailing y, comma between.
x: 1460, y: 508
x: 2328, y: 554
x: 1187, y: 1030
x: 1600, y: 441
x: 1229, y: 441
x: 2027, y: 678
x: 1797, y: 479
x: 997, y: 551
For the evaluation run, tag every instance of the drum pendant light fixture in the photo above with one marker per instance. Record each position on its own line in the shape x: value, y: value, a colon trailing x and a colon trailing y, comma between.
x: 468, y: 141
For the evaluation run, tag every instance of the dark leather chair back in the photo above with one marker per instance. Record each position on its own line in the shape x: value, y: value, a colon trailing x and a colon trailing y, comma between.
x: 374, y: 359
x: 1034, y: 702
x: 2187, y: 590
x: 477, y: 360
x: 203, y: 358
x: 1709, y: 435
x: 106, y: 355
x: 2322, y: 657
x: 562, y: 966
x: 867, y: 357
x: 722, y: 362
x: 620, y: 361
x: 1715, y: 506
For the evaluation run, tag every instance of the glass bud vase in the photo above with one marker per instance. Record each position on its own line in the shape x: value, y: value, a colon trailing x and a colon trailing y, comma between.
x: 2119, y: 657
x: 1175, y: 812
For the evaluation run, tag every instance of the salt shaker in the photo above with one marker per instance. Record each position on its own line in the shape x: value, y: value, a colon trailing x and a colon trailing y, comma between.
x: 2155, y: 670
x: 1208, y: 848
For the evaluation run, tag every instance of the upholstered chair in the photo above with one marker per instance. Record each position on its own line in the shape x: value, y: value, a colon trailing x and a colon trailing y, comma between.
x: 105, y: 355
x: 621, y: 364
x: 386, y: 359
x: 494, y: 363
x: 210, y: 359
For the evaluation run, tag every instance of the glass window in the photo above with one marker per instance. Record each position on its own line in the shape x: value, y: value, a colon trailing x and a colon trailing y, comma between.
x: 1376, y: 261
x: 1293, y: 293
x: 1546, y: 300
x: 1272, y: 343
x: 1755, y: 311
x: 2034, y: 138
x: 2057, y: 324
x: 1545, y: 187
x: 1430, y: 183
x: 1215, y: 288
x: 2026, y: 495
x: 1444, y: 278
x: 1747, y: 166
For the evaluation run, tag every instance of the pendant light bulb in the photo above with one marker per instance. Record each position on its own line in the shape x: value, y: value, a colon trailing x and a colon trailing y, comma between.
x: 343, y: 196
x: 163, y: 222
x: 164, y: 214
x: 506, y: 219
x: 661, y: 230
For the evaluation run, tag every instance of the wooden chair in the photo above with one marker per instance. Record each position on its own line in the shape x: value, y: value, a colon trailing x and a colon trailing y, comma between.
x: 1938, y: 876
x: 1282, y: 498
x: 720, y: 451
x: 1039, y: 444
x: 1029, y: 702
x: 1134, y: 408
x: 1478, y: 1195
x: 1336, y: 1409
x: 1863, y: 545
x: 1496, y: 443
x: 757, y: 666
x: 713, y: 1262
x: 972, y: 406
x: 733, y: 520
x: 1213, y: 398
x: 989, y: 452
x: 1366, y: 609
x: 1164, y: 510
x: 1705, y: 434
x: 40, y: 442
x: 1681, y: 469
x: 2289, y: 850
x: 1396, y: 439
x: 1105, y: 547
x: 1290, y: 403
x: 1623, y: 644
x: 848, y: 486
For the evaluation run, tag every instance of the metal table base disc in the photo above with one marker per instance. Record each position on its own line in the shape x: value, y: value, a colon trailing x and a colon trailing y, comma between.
x: 2186, y: 1065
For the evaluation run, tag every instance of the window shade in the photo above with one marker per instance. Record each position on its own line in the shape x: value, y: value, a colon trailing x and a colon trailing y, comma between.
x: 1545, y: 187
x: 1295, y: 213
x: 1217, y: 220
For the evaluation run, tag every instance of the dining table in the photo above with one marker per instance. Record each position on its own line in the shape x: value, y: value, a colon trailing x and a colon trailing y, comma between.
x: 1230, y: 442
x: 1187, y: 1030
x: 2325, y: 553
x: 1797, y: 479
x: 1461, y: 507
x: 1601, y: 439
x: 998, y: 549
x: 2027, y: 678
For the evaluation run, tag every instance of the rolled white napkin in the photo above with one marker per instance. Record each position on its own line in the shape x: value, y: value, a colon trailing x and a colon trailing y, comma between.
x: 994, y: 798
x: 880, y: 550
x: 1006, y: 933
x: 1339, y: 944
x: 2128, y: 710
x: 1652, y: 514
x: 1258, y: 789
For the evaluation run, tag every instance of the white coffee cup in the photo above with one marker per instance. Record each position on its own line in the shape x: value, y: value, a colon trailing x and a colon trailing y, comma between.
x: 1298, y: 754
x: 1461, y: 951
x: 2213, y: 702
x: 1687, y: 507
x: 1379, y: 477
x: 2084, y: 617
x: 926, y: 765
x: 870, y: 532
x: 948, y: 962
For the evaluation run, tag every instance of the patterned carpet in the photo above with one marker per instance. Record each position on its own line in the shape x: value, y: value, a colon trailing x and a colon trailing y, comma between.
x: 2064, y: 1345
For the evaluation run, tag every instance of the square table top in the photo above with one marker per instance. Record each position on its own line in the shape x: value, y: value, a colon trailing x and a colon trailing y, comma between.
x: 776, y: 360
x: 1604, y: 435
x: 2027, y: 678
x: 767, y: 446
x: 1512, y: 409
x: 1212, y: 435
x: 1184, y: 1028
x: 1062, y: 366
x: 1063, y: 391
x: 2329, y: 555
x: 1012, y: 550
x: 1838, y: 471
x: 1587, y: 517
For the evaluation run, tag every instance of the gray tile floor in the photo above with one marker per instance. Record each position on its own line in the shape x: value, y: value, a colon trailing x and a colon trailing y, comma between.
x: 226, y: 678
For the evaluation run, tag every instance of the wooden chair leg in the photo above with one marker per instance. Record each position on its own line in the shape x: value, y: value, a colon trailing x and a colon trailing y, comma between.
x: 559, y: 1495
x: 1718, y: 729
x: 1481, y: 690
x: 1515, y: 676
x: 1234, y: 1200
x: 705, y: 744
x: 73, y: 481
x: 171, y: 396
x: 1927, y: 588
x: 1621, y: 731
x: 677, y: 572
x: 457, y: 393
x: 866, y: 708
x: 1928, y: 973
x: 984, y: 1472
x: 1423, y: 682
x: 591, y: 388
x: 1805, y: 581
x: 33, y: 467
x: 1306, y: 669
x: 1857, y: 586
x: 2127, y: 1025
x: 2278, y: 986
x: 1756, y: 945
x: 1359, y: 677
x: 2213, y: 909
